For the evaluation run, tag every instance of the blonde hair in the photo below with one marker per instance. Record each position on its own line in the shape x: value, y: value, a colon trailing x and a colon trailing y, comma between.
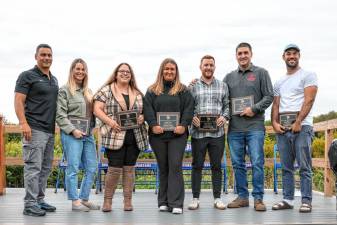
x: 71, y: 81
x: 132, y: 83
x: 158, y: 86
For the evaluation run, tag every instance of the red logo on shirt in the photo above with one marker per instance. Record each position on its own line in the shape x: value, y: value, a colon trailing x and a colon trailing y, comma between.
x: 251, y: 77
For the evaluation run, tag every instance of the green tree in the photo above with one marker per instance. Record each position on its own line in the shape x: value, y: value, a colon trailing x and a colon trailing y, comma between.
x: 323, y: 117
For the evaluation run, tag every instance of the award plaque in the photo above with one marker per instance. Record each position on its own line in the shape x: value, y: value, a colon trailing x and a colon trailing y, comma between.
x: 208, y: 122
x: 239, y: 104
x: 80, y: 123
x: 287, y: 119
x: 168, y: 120
x: 128, y: 119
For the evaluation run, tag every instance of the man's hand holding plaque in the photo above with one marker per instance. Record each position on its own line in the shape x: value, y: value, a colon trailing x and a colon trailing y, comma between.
x: 243, y: 106
x: 288, y: 121
x: 278, y: 128
x: 221, y: 121
x: 208, y: 122
x: 247, y: 112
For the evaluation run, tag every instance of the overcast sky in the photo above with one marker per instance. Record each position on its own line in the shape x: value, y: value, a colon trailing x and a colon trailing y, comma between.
x: 143, y: 33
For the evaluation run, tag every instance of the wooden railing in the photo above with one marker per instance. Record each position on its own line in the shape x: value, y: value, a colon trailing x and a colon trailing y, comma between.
x: 327, y: 127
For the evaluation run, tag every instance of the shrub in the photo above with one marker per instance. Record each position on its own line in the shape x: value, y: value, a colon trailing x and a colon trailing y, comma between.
x: 13, y: 149
x: 269, y: 143
x: 318, y: 147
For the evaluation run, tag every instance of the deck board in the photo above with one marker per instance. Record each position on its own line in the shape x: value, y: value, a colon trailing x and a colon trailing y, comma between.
x: 146, y: 212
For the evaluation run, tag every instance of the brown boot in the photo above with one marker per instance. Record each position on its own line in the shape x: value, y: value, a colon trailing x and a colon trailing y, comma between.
x: 128, y: 183
x: 111, y: 182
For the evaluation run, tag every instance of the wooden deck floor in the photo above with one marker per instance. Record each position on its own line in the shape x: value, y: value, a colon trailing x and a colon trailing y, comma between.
x: 11, y: 206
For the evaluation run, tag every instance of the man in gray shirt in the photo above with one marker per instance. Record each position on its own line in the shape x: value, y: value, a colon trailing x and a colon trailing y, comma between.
x: 250, y: 93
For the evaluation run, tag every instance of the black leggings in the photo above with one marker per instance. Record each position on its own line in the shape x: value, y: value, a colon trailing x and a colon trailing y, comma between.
x: 127, y: 155
x: 170, y: 154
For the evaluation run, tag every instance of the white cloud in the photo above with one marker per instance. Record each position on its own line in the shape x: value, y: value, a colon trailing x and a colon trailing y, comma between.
x: 143, y: 33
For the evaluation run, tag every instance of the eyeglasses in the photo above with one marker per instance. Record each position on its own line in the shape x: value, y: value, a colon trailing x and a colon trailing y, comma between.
x: 126, y: 72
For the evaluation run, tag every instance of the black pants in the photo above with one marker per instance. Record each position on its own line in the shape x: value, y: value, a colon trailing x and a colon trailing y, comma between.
x: 169, y: 154
x: 127, y: 155
x: 215, y: 147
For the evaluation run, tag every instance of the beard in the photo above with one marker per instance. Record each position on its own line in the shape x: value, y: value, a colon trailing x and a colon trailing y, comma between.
x: 208, y: 74
x: 292, y: 65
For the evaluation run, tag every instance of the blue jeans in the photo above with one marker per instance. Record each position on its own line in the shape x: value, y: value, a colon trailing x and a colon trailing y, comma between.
x: 251, y: 143
x: 296, y: 146
x: 79, y: 152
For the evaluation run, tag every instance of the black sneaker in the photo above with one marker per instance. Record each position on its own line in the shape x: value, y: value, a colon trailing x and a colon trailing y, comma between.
x: 34, y: 211
x: 48, y: 208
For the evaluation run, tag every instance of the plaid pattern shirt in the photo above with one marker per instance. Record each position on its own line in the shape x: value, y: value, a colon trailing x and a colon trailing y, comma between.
x: 211, y: 99
x: 110, y: 138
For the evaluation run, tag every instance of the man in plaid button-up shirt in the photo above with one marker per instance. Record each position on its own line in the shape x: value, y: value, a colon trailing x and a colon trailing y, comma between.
x: 210, y: 97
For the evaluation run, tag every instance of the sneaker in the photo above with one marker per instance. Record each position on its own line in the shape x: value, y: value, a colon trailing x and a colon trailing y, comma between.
x: 194, y: 204
x: 259, y: 205
x: 45, y: 206
x: 218, y: 204
x: 80, y: 208
x: 91, y: 205
x: 34, y: 211
x: 238, y: 203
x: 163, y: 208
x: 177, y: 211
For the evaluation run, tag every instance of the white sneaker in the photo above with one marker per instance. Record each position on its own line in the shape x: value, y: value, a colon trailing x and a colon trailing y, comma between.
x: 218, y: 204
x: 163, y: 208
x: 194, y: 204
x: 80, y: 208
x: 177, y: 210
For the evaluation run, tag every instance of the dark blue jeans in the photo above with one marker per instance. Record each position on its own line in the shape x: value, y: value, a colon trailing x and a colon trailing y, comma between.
x: 296, y: 146
x: 251, y: 143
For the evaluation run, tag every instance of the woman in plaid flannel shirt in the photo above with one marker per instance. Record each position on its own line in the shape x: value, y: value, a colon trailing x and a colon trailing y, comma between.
x: 120, y: 93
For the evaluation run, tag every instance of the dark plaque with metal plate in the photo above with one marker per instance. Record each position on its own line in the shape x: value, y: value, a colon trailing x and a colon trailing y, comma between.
x: 128, y: 119
x: 208, y: 122
x: 81, y: 123
x: 168, y: 120
x: 287, y: 119
x: 239, y: 104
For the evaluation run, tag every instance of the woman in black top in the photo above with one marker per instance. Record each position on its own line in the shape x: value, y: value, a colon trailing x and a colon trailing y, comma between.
x: 167, y: 94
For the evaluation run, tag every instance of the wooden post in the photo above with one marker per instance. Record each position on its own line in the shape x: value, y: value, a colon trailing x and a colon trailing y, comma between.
x: 328, y: 175
x: 2, y: 158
